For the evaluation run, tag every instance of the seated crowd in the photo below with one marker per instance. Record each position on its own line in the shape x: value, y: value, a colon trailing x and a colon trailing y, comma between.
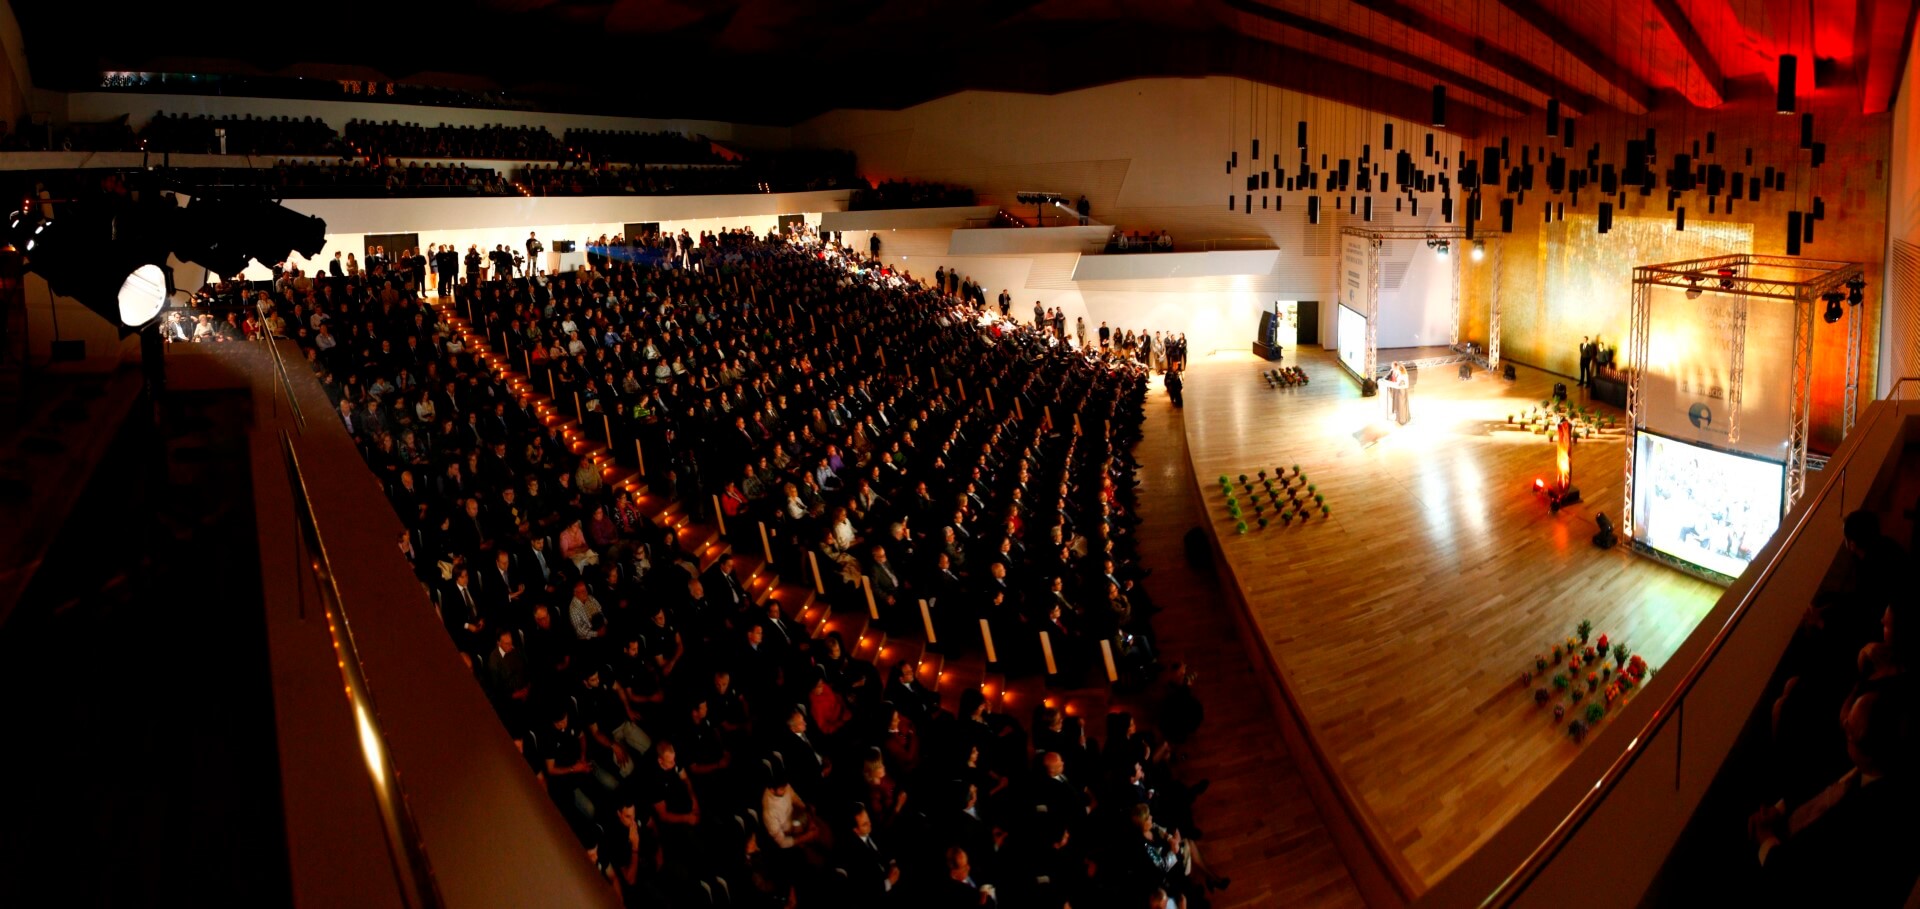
x: 411, y: 140
x: 909, y: 194
x: 1843, y: 762
x: 703, y: 741
x: 245, y: 135
x: 1122, y: 241
x: 632, y: 147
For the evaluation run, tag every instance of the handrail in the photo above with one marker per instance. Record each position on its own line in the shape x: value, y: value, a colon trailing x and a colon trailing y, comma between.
x: 280, y: 369
x: 412, y: 872
x: 1517, y: 882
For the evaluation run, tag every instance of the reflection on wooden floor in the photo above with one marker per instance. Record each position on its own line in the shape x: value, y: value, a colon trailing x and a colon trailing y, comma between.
x: 1403, y: 620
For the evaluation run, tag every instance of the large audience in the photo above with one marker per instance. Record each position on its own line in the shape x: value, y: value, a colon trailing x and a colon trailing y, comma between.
x: 702, y: 739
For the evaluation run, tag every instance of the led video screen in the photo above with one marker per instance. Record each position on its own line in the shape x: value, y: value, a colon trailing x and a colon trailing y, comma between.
x: 1353, y: 340
x: 1704, y: 506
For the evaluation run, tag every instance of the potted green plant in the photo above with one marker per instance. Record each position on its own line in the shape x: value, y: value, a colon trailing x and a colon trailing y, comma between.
x: 1539, y: 663
x: 1326, y: 512
x: 1620, y: 655
x: 1263, y: 522
x: 1560, y: 681
x: 1583, y: 629
x: 1240, y: 527
x: 1541, y: 697
x: 1595, y: 711
x: 1577, y: 731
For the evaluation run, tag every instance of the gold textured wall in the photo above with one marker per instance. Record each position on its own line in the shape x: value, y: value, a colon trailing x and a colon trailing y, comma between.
x: 1554, y: 279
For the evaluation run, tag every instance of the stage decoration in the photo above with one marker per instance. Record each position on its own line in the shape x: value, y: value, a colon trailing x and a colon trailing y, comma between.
x: 1588, y: 683
x: 1290, y: 496
x: 1285, y: 376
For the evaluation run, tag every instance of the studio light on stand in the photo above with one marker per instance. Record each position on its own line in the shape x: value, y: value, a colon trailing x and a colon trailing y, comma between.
x: 1479, y: 250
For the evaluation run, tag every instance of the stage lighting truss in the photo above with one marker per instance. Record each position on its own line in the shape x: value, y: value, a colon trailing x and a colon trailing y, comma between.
x: 1791, y: 279
x: 1450, y: 236
x: 1439, y: 245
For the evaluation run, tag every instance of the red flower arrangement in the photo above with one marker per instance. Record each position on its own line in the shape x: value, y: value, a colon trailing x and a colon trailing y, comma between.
x: 1603, y: 643
x: 1637, y: 668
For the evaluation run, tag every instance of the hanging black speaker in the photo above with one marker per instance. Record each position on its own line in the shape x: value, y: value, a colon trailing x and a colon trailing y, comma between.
x: 1730, y: 204
x: 1819, y: 209
x: 1506, y: 216
x: 1266, y: 179
x: 1386, y: 139
x: 1366, y: 212
x: 1446, y: 209
x: 1709, y: 142
x: 1793, y: 233
x: 1806, y: 131
x: 1560, y: 210
x: 1263, y: 203
x: 1819, y: 156
x: 1234, y: 160
x: 1429, y: 145
x: 1249, y: 204
x: 1680, y: 218
x: 1606, y: 216
x: 1414, y: 204
x: 1276, y: 164
x: 1753, y: 189
x: 1553, y: 116
x: 1313, y: 209
x: 1769, y: 177
x: 1256, y: 151
x: 1439, y: 107
x: 1229, y: 165
x: 1749, y: 157
x: 1229, y: 202
x: 1806, y: 228
x: 1711, y: 201
x: 1566, y: 133
x: 1300, y: 134
x: 1789, y: 73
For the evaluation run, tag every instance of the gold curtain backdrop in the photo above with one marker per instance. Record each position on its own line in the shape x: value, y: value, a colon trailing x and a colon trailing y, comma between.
x: 1589, y: 281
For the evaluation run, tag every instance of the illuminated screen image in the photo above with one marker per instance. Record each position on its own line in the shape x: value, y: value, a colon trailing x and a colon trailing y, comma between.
x: 1353, y: 339
x: 1704, y: 506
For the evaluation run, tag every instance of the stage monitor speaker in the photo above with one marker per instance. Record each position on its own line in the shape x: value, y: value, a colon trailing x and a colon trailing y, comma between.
x: 1466, y: 370
x: 1506, y: 371
x: 1369, y: 388
x: 1560, y: 390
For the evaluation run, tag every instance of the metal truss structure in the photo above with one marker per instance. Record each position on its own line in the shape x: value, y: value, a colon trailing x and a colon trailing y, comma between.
x: 1746, y: 278
x: 1457, y: 236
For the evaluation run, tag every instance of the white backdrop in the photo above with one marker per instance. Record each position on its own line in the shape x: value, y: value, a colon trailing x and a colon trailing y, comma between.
x: 1688, y: 378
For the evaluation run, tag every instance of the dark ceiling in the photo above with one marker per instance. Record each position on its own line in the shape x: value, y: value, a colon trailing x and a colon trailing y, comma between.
x: 781, y: 61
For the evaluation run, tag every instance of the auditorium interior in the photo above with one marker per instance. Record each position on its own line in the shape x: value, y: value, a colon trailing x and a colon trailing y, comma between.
x: 1207, y: 453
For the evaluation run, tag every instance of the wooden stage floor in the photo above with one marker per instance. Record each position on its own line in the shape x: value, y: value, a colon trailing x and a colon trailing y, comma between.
x: 1402, y: 622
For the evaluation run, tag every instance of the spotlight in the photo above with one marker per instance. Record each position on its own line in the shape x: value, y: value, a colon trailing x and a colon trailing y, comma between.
x: 1693, y: 287
x: 1605, y: 538
x: 1856, y: 288
x: 1440, y: 247
x: 1726, y: 277
x: 1479, y: 250
x: 1834, y: 312
x: 109, y: 256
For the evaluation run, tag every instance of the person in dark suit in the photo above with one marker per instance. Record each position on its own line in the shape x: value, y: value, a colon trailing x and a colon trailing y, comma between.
x: 336, y: 268
x: 534, y: 249
x: 1588, y: 351
x: 1175, y: 387
x: 873, y: 244
x: 871, y: 871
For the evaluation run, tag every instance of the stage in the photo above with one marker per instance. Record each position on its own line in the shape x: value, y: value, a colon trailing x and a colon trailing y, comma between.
x: 1402, y: 622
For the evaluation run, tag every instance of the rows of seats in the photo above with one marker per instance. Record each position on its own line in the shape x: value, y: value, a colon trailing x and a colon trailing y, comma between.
x: 245, y: 135
x: 636, y: 147
x: 770, y: 713
x: 393, y: 139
